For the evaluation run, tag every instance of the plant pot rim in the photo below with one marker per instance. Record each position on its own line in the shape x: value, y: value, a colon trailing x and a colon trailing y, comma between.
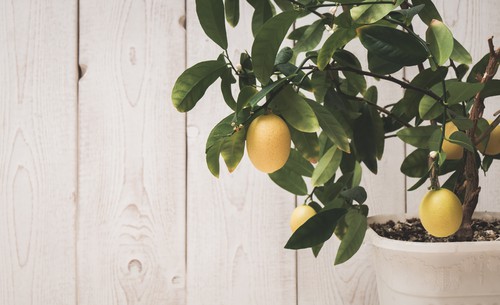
x: 427, y: 247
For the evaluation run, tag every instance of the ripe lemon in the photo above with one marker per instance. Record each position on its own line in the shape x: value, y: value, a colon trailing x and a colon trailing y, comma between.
x: 440, y: 212
x: 453, y: 151
x: 300, y: 215
x: 268, y: 143
x: 493, y: 146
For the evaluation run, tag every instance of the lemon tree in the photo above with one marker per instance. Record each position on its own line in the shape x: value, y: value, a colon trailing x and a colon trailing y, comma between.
x: 306, y: 113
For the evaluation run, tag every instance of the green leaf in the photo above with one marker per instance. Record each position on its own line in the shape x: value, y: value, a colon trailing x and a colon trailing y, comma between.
x: 408, y: 14
x: 429, y: 12
x: 194, y: 82
x: 316, y: 249
x: 338, y: 39
x: 233, y: 148
x: 429, y: 108
x: 419, y: 183
x: 320, y: 85
x: 267, y: 43
x: 263, y: 12
x: 298, y: 164
x: 331, y: 126
x: 440, y: 41
x: 311, y: 37
x: 267, y: 89
x: 460, y: 91
x: 416, y: 164
x: 370, y: 13
x: 368, y: 137
x: 417, y: 136
x: 460, y: 138
x: 460, y: 54
x: 353, y: 238
x: 306, y: 143
x: 297, y: 33
x: 211, y: 16
x: 212, y: 158
x: 284, y: 56
x: 327, y: 166
x: 356, y: 193
x: 379, y: 65
x: 354, y: 83
x: 392, y: 45
x: 435, y: 141
x: 463, y: 123
x: 295, y: 110
x: 425, y: 80
x: 289, y: 180
x: 316, y: 229
x: 491, y: 88
x: 232, y: 12
x: 246, y: 94
x: 225, y: 85
x: 478, y: 69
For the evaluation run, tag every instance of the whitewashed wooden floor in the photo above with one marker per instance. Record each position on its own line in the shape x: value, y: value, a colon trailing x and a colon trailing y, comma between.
x: 104, y: 193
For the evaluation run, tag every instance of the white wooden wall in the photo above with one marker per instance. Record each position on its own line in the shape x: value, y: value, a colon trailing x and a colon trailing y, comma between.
x: 105, y: 197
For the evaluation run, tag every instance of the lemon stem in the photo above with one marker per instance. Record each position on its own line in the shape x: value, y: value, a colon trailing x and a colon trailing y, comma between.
x: 433, y: 170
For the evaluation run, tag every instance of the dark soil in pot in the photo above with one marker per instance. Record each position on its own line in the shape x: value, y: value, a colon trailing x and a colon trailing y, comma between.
x: 412, y: 230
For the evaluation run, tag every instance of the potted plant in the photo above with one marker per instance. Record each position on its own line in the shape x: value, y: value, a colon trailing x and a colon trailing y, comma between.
x: 307, y: 112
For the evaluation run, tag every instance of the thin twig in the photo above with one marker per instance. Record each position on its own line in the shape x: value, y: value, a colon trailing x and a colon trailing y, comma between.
x: 487, y: 132
x: 307, y: 8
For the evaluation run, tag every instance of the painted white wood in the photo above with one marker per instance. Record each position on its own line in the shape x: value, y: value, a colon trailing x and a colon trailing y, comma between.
x: 236, y: 225
x: 131, y: 229
x: 38, y: 100
x: 472, y: 22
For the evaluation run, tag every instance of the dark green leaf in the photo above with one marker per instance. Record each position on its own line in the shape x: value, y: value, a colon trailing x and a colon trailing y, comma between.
x: 267, y: 43
x: 284, y: 56
x: 429, y: 12
x: 211, y: 16
x: 408, y: 14
x: 246, y: 94
x: 379, y: 65
x: 267, y: 89
x: 491, y: 88
x: 338, y: 39
x: 295, y: 110
x: 311, y: 37
x: 417, y: 136
x: 416, y: 164
x: 440, y: 41
x: 194, y: 82
x: 356, y: 193
x: 306, y: 143
x: 478, y: 70
x: 297, y: 33
x: 263, y: 12
x: 392, y: 44
x: 460, y: 54
x: 225, y: 85
x: 298, y: 164
x: 315, y: 230
x: 289, y: 180
x: 369, y: 137
x: 327, y: 166
x: 316, y: 249
x: 419, y: 183
x: 460, y: 91
x: 463, y: 123
x: 460, y: 138
x: 330, y: 125
x: 429, y: 108
x: 435, y: 141
x: 232, y: 12
x: 320, y: 85
x: 212, y: 158
x: 353, y: 238
x: 425, y: 80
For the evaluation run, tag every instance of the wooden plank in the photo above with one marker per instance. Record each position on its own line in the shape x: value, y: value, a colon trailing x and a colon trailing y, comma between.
x: 131, y: 229
x: 38, y: 100
x: 238, y: 224
x: 472, y: 23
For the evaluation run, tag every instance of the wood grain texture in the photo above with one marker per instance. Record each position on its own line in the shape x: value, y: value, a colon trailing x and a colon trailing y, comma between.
x: 38, y: 100
x: 131, y: 229
x: 472, y: 22
x: 238, y: 224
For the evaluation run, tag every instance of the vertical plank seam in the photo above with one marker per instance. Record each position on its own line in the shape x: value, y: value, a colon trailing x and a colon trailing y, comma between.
x: 77, y: 165
x: 405, y: 178
x: 186, y: 148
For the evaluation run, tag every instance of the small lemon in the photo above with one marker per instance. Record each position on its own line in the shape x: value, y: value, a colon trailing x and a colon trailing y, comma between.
x: 453, y: 151
x: 268, y: 143
x: 300, y: 215
x: 441, y: 212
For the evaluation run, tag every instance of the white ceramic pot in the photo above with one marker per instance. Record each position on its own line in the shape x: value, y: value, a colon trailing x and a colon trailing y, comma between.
x: 458, y: 273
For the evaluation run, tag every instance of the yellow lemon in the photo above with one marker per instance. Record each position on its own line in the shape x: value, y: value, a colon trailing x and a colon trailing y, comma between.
x: 268, y: 143
x: 300, y: 215
x: 441, y: 212
x: 453, y: 151
x: 493, y: 146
